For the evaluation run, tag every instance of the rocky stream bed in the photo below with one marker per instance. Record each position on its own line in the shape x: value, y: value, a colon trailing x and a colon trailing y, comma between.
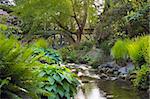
x: 108, y: 81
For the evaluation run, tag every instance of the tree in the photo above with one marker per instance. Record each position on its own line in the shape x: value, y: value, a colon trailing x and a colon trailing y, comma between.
x: 121, y: 18
x: 69, y: 16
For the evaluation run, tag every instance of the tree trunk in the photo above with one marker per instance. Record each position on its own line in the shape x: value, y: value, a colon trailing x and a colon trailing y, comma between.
x: 78, y: 37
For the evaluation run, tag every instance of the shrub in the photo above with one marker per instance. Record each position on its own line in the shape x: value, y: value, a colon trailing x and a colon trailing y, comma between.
x: 23, y: 72
x: 119, y: 50
x: 47, y: 55
x: 3, y: 27
x: 69, y: 54
x: 86, y: 45
x: 106, y: 46
x: 41, y: 43
x: 58, y: 81
x: 142, y: 79
x: 138, y: 50
x: 17, y: 69
x: 145, y: 42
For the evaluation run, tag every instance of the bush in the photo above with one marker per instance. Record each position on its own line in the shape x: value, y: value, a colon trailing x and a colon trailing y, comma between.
x: 119, y: 50
x: 142, y: 79
x: 106, y: 46
x: 138, y: 50
x: 69, y: 54
x: 86, y: 45
x: 29, y: 71
x: 18, y: 73
x: 58, y: 81
x: 47, y: 55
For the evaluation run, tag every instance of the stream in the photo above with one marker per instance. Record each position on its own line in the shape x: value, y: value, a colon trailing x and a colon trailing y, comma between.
x: 94, y: 88
x: 102, y: 89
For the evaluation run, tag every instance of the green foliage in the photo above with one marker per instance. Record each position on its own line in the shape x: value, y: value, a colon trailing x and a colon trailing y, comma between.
x: 3, y: 27
x: 106, y: 46
x: 59, y: 81
x: 18, y: 73
x: 48, y: 56
x: 123, y: 18
x: 85, y: 45
x: 145, y: 44
x: 136, y: 49
x: 70, y: 17
x: 38, y: 15
x: 85, y: 59
x: 119, y: 50
x: 41, y: 43
x: 142, y: 79
x: 28, y: 71
x: 69, y: 54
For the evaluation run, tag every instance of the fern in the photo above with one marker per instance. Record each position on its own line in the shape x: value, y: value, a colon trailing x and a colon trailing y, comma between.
x: 17, y: 64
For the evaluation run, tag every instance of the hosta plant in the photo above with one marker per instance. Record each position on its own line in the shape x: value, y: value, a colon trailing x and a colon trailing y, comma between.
x: 59, y: 81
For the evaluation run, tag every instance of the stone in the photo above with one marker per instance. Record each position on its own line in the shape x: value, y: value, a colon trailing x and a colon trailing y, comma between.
x: 100, y: 71
x: 86, y: 73
x: 113, y: 78
x: 80, y: 74
x: 116, y: 73
x: 85, y: 81
x: 109, y: 71
x: 83, y: 68
x: 109, y: 96
x: 128, y: 68
x: 104, y: 76
x: 122, y: 76
x: 95, y: 76
x: 123, y: 70
x: 3, y: 12
x: 74, y: 70
x: 104, y: 70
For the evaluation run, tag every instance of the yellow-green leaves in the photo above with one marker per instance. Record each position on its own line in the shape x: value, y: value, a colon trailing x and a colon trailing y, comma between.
x: 138, y: 50
x: 3, y: 27
x: 119, y: 50
x: 41, y: 43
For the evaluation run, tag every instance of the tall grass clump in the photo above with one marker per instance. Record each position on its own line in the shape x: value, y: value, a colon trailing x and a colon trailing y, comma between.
x: 119, y: 50
x: 138, y: 51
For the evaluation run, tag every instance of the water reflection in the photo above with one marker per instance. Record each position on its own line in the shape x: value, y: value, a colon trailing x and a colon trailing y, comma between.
x: 89, y: 91
x: 117, y: 89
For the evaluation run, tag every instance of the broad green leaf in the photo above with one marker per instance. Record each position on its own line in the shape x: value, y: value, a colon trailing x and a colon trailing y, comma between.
x: 57, y: 77
x: 51, y: 80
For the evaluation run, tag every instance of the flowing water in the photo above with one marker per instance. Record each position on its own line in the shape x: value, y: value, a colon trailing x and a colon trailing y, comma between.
x: 109, y: 90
